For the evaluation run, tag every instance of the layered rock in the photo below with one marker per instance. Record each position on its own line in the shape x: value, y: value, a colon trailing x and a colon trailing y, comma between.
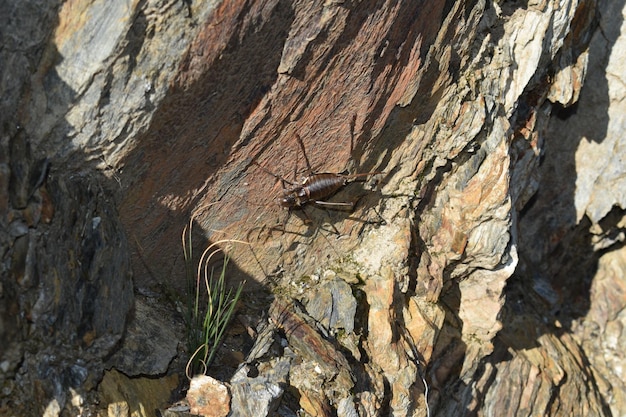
x: 482, y: 260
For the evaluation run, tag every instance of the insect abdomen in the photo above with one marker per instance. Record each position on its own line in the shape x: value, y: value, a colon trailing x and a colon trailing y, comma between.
x: 322, y: 186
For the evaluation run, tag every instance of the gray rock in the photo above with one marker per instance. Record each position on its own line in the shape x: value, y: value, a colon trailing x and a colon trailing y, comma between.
x: 150, y: 342
x: 333, y: 305
x: 259, y: 395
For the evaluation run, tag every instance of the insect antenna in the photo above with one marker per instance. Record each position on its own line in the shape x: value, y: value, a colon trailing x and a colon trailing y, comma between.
x: 278, y: 177
x: 306, y: 158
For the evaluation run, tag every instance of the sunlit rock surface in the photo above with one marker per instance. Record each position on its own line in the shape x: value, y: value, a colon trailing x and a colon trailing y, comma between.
x: 483, y: 259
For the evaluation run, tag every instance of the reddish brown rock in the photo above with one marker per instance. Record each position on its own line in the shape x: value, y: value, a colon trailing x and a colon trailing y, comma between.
x: 208, y: 397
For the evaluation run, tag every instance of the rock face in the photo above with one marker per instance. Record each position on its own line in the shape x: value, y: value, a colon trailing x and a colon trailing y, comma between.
x: 480, y: 272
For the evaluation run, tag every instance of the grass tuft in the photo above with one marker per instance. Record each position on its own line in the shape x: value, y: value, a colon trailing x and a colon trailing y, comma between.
x: 210, y: 303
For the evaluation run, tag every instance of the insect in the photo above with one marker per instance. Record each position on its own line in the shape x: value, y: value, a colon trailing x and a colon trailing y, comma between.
x: 315, y: 188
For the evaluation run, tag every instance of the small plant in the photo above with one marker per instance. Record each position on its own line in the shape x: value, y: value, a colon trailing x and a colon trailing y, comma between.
x: 210, y: 304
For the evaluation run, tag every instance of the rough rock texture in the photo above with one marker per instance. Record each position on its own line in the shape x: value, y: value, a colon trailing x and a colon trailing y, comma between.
x: 208, y: 397
x: 576, y: 267
x: 125, y: 396
x: 483, y: 260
